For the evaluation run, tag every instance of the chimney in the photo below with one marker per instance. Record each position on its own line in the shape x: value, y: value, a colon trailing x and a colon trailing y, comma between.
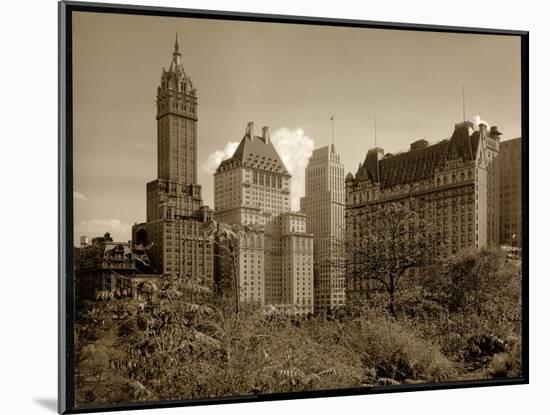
x: 265, y: 134
x: 250, y: 130
x: 495, y: 133
x: 482, y: 128
x: 418, y: 145
x: 376, y: 150
x: 483, y: 131
x: 374, y: 155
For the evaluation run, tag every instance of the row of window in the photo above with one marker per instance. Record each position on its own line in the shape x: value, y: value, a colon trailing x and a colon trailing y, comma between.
x: 268, y: 180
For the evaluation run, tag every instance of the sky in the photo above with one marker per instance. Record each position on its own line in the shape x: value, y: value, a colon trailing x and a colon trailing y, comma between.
x: 292, y: 78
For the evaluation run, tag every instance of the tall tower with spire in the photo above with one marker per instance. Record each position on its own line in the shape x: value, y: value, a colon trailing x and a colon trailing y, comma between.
x: 175, y: 212
x: 177, y: 123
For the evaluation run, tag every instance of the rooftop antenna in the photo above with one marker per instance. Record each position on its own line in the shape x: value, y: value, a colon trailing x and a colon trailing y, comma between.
x: 463, y: 104
x: 375, y: 138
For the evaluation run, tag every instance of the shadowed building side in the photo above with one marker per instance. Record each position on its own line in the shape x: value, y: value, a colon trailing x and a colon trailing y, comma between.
x: 510, y: 192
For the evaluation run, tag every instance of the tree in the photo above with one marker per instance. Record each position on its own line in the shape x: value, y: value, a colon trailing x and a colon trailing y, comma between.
x: 226, y: 238
x: 473, y: 279
x: 482, y: 287
x: 470, y: 302
x: 391, y: 240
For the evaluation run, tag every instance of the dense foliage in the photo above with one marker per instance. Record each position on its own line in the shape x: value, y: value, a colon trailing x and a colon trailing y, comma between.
x: 457, y: 320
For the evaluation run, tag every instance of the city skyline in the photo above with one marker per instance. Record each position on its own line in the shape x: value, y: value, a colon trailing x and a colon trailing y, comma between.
x: 114, y: 158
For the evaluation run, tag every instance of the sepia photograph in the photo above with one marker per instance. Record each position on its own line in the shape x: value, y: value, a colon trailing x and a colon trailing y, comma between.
x: 266, y: 208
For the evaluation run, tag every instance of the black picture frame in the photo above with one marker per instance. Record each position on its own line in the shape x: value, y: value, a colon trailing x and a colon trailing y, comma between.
x: 66, y: 365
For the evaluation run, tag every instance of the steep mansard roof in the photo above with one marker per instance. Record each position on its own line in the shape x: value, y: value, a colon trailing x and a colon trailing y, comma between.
x: 255, y: 152
x: 420, y: 164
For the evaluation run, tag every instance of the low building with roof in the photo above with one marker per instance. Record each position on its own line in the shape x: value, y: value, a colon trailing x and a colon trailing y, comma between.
x: 104, y: 265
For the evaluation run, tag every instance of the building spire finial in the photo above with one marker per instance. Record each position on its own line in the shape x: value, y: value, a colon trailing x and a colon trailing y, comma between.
x: 176, y: 46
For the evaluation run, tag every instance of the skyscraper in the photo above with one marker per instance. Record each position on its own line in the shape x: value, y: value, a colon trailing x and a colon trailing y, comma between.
x: 510, y: 192
x: 174, y: 204
x: 275, y: 265
x: 324, y: 205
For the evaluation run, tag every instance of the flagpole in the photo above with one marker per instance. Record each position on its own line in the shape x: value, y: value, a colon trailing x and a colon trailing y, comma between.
x: 332, y: 119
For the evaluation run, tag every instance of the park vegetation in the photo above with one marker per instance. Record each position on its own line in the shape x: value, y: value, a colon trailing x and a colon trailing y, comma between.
x: 457, y: 318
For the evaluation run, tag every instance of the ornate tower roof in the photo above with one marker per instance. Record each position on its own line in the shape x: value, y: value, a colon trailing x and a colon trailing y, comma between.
x: 175, y: 77
x: 176, y: 65
x: 176, y: 118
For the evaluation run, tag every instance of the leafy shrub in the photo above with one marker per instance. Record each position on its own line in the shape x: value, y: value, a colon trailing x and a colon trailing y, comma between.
x: 396, y: 352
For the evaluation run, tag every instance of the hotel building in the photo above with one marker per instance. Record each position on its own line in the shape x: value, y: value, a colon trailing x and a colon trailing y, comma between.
x: 453, y: 184
x: 275, y: 265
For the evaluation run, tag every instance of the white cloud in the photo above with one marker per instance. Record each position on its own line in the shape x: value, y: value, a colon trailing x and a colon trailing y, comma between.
x: 217, y: 156
x: 79, y: 196
x: 295, y: 149
x: 120, y: 231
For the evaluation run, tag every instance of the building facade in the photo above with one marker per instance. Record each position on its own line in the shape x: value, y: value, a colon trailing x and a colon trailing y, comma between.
x: 324, y: 206
x: 275, y: 264
x: 510, y: 192
x: 451, y: 185
x: 173, y: 232
x: 108, y: 266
